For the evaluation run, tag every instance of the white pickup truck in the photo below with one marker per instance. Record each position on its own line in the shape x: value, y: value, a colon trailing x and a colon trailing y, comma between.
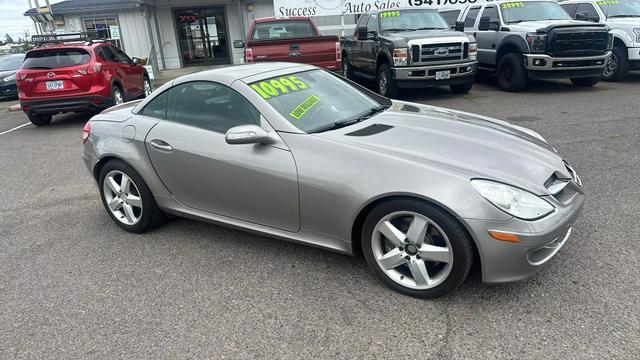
x: 623, y: 18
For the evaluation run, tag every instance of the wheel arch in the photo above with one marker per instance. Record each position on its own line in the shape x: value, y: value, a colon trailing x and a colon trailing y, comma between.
x: 382, y: 58
x: 621, y: 38
x: 511, y: 44
x: 358, y: 223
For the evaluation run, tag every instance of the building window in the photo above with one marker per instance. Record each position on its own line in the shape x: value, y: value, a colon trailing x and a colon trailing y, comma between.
x: 101, y: 28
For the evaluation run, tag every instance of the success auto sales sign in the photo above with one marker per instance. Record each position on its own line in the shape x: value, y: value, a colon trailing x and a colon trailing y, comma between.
x: 348, y: 7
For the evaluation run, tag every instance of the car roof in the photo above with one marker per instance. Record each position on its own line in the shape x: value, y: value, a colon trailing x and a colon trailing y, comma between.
x: 72, y: 45
x: 283, y: 18
x: 246, y: 72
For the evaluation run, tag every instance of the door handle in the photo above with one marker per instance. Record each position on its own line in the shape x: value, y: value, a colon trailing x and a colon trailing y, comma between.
x: 161, y: 145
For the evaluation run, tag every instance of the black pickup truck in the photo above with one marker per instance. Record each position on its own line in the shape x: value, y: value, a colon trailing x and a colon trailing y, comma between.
x: 409, y: 48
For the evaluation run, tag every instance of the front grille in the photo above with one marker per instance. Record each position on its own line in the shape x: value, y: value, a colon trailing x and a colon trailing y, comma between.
x: 577, y: 43
x: 438, y: 53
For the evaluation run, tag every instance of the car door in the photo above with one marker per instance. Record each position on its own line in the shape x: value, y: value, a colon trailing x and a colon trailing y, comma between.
x: 132, y: 73
x: 488, y: 40
x: 255, y: 183
x: 357, y: 59
x: 369, y: 47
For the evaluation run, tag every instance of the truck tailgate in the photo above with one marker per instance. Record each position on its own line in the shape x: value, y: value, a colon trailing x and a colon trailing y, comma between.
x: 319, y: 51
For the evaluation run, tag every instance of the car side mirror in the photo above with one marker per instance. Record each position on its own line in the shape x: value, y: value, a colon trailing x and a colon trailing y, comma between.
x: 135, y: 61
x: 248, y: 134
x: 459, y: 26
x: 371, y: 35
x: 584, y: 16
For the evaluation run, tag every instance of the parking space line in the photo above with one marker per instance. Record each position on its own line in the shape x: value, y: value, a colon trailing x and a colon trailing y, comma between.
x: 15, y: 128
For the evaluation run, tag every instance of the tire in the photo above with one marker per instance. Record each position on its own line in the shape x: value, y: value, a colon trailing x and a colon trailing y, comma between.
x: 117, y: 95
x: 461, y: 88
x: 146, y: 87
x: 144, y: 214
x: 443, y: 232
x: 618, y: 65
x: 40, y: 119
x: 585, y: 82
x: 387, y: 86
x: 511, y: 74
x: 347, y: 69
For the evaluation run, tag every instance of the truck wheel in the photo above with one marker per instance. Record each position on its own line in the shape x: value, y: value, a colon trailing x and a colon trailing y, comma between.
x: 618, y: 65
x: 461, y: 88
x: 347, y: 70
x: 586, y: 82
x: 40, y: 119
x: 386, y: 84
x: 512, y: 75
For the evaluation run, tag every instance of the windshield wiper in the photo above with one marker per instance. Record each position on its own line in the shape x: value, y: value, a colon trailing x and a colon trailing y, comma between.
x: 40, y: 68
x: 396, y: 30
x: 430, y: 28
x: 347, y: 122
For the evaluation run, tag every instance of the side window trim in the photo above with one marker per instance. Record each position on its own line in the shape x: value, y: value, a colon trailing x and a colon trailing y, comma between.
x: 156, y: 97
x: 475, y: 21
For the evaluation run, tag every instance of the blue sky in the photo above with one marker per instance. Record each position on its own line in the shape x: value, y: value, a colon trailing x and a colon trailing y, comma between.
x: 12, y: 20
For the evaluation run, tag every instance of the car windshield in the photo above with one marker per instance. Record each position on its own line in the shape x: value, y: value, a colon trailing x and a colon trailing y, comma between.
x: 55, y: 59
x: 620, y: 8
x: 283, y: 30
x: 315, y: 100
x: 410, y: 20
x: 11, y: 62
x: 518, y: 11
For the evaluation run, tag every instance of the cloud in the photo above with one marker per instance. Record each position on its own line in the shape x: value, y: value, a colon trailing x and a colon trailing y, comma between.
x: 12, y: 19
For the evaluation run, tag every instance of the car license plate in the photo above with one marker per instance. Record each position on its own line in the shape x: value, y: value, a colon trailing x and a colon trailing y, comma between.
x: 443, y: 75
x: 55, y: 85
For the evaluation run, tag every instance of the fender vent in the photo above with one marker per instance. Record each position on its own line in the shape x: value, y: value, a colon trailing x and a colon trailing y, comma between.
x: 370, y: 130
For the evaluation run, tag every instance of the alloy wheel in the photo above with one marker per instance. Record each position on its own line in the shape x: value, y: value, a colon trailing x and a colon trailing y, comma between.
x: 382, y: 83
x: 412, y: 250
x: 122, y: 197
x: 117, y: 97
x: 611, y: 67
x: 345, y: 69
x: 147, y: 88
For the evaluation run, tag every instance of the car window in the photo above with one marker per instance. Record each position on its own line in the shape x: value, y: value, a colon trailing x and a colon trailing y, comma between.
x: 210, y: 106
x: 570, y: 9
x: 11, y: 62
x: 362, y: 22
x: 106, y: 54
x: 314, y: 99
x: 411, y: 19
x: 589, y: 10
x: 620, y: 8
x: 157, y: 108
x: 470, y: 19
x: 120, y: 55
x: 55, y: 59
x: 491, y: 12
x: 450, y: 16
x: 283, y: 30
x: 372, y: 25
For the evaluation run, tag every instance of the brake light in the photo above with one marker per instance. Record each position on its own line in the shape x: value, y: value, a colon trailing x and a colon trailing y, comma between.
x: 248, y: 55
x: 338, y: 52
x: 86, y: 131
x: 20, y: 76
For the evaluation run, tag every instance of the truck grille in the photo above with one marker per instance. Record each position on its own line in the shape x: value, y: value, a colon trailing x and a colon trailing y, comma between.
x: 439, y: 53
x: 583, y: 43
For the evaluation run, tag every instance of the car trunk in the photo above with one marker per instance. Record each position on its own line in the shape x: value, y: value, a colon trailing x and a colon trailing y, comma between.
x: 313, y: 50
x: 56, y: 73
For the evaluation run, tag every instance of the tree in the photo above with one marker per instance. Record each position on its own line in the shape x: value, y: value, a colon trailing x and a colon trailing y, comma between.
x: 8, y: 39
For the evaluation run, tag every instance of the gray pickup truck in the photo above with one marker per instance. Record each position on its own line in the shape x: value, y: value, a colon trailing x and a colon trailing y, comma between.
x: 534, y: 39
x: 409, y: 48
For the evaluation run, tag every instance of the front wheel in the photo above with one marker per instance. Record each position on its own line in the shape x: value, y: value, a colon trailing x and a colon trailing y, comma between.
x: 40, y: 119
x: 618, y: 65
x: 416, y: 248
x: 585, y: 82
x: 386, y: 84
x: 146, y: 87
x: 461, y: 88
x: 117, y: 96
x: 347, y: 70
x: 511, y: 74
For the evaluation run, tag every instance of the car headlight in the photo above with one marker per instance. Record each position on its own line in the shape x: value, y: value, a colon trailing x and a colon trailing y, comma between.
x: 400, y: 57
x: 610, y: 42
x: 10, y: 78
x: 537, y: 42
x: 637, y: 32
x: 512, y: 200
x: 473, y: 52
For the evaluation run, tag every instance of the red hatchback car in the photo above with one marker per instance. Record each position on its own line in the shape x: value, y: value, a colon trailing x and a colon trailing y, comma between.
x: 83, y: 76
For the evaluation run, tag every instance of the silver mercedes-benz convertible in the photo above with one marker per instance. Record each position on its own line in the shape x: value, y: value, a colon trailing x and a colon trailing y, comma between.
x: 297, y: 153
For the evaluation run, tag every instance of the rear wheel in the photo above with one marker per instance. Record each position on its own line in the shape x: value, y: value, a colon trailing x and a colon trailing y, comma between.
x: 40, y: 119
x: 146, y: 87
x: 386, y: 84
x: 416, y: 248
x: 117, y: 96
x: 127, y: 199
x: 585, y: 82
x: 461, y: 88
x: 618, y: 65
x: 511, y: 73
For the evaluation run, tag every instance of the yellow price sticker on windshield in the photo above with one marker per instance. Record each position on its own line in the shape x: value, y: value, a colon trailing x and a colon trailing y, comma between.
x: 608, y: 2
x: 387, y: 14
x: 513, y: 5
x: 276, y: 87
x: 302, y: 109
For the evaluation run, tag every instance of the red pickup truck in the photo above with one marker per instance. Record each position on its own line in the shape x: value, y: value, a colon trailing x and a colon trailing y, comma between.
x: 292, y: 39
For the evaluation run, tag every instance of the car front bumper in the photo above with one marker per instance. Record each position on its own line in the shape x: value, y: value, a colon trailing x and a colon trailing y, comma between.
x: 418, y: 76
x: 8, y: 89
x: 541, y: 66
x: 634, y: 53
x: 540, y: 241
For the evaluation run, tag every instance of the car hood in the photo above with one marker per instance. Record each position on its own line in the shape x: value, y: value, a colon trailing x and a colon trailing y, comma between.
x: 4, y: 74
x: 402, y: 38
x: 544, y: 24
x: 462, y: 143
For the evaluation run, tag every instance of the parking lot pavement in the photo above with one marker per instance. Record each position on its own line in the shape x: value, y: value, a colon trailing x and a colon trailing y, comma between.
x: 73, y: 285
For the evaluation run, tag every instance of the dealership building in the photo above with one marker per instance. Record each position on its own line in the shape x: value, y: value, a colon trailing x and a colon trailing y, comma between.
x: 178, y: 33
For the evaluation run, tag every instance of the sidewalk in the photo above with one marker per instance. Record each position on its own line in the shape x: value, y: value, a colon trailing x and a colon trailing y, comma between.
x: 167, y: 75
